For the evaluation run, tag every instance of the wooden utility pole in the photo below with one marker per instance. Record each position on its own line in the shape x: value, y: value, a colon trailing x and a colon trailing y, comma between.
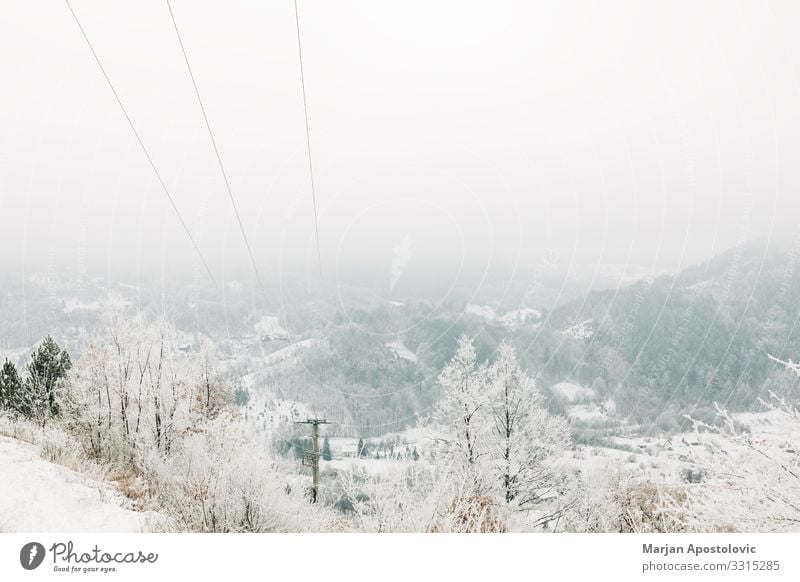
x: 311, y: 458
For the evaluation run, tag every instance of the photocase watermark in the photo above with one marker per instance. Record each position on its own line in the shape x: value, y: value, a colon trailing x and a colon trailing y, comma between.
x: 31, y: 555
x: 65, y: 558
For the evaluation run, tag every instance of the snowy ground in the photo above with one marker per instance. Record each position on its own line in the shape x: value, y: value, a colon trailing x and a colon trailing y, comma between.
x: 43, y: 497
x: 369, y: 465
x: 665, y: 459
x: 658, y: 459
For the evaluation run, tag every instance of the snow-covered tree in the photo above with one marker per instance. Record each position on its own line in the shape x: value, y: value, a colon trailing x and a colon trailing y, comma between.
x: 134, y: 392
x: 501, y: 441
x: 524, y: 437
x: 212, y: 394
x: 88, y: 408
x: 463, y: 401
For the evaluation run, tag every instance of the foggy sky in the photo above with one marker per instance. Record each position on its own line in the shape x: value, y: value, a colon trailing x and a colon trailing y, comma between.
x: 457, y: 133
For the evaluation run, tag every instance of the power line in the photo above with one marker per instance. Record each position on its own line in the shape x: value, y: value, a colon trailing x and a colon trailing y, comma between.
x: 214, y: 144
x: 308, y: 137
x: 141, y: 144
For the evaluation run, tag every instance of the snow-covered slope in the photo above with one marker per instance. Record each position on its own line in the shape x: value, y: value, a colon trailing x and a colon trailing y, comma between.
x: 580, y: 331
x: 289, y: 351
x: 269, y: 327
x: 39, y: 496
x: 511, y: 319
x: 401, y: 350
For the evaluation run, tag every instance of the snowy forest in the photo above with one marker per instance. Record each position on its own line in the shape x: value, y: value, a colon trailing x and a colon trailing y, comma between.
x: 481, y: 419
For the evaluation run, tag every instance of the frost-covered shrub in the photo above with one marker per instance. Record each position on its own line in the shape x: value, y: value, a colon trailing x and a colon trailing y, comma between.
x: 14, y: 426
x: 55, y: 444
x: 610, y: 498
x: 473, y: 514
x: 222, y: 479
x: 650, y: 508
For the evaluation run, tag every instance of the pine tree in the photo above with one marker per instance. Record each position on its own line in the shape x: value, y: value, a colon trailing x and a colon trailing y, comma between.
x: 415, y: 454
x: 10, y: 386
x: 362, y: 448
x: 326, y: 449
x: 46, y: 371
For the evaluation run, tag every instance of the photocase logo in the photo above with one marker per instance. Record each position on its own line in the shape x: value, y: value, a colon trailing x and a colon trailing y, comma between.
x: 400, y: 259
x: 31, y: 555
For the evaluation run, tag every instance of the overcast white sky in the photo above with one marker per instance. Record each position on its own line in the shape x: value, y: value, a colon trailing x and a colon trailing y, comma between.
x: 654, y: 133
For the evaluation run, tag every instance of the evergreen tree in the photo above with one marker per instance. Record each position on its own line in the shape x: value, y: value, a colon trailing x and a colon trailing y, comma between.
x: 415, y: 454
x: 46, y: 371
x: 362, y: 448
x: 10, y: 386
x: 326, y: 449
x: 242, y: 396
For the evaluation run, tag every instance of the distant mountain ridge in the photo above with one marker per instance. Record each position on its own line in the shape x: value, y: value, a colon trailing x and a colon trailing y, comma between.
x: 680, y: 343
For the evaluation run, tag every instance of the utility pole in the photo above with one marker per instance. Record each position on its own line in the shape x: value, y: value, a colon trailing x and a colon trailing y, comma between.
x: 311, y: 458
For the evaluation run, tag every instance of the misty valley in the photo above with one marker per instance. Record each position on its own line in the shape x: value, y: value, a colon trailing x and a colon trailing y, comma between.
x: 657, y: 404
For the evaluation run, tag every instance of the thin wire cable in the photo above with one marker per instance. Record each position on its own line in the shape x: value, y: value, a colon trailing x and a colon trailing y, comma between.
x: 214, y: 144
x: 308, y: 137
x: 141, y: 144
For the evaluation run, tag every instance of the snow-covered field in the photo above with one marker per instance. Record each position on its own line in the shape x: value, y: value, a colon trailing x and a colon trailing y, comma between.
x: 586, y: 413
x: 43, y: 497
x: 268, y: 326
x: 572, y: 392
x: 370, y: 466
x: 511, y: 319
